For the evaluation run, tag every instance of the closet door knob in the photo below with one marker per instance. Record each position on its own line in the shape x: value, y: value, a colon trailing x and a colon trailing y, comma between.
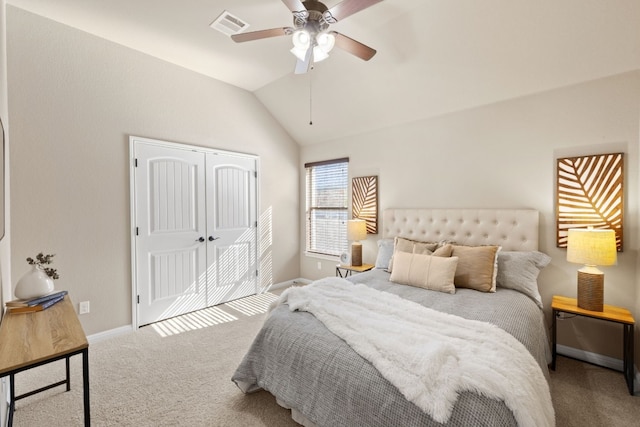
x: 211, y: 238
x: 201, y: 239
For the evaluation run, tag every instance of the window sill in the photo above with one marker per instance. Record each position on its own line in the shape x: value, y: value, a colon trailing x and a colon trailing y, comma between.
x: 321, y: 256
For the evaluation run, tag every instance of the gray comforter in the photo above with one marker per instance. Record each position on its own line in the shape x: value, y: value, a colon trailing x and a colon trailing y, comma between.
x: 311, y: 370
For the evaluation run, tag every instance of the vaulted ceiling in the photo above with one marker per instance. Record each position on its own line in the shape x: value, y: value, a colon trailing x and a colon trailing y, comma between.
x: 434, y: 56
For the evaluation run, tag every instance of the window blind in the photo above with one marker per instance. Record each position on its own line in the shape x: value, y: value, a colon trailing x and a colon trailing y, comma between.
x: 327, y: 210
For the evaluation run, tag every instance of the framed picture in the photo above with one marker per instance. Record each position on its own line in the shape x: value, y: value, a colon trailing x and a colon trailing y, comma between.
x: 364, y: 201
x: 589, y: 193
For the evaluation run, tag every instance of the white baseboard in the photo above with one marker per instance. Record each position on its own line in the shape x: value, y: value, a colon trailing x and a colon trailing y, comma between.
x: 595, y: 358
x: 292, y: 282
x: 101, y: 336
x: 587, y: 356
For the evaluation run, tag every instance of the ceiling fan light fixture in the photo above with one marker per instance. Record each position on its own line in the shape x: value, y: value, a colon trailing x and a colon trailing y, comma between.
x: 301, y: 40
x: 325, y: 41
x: 319, y: 54
x: 299, y: 53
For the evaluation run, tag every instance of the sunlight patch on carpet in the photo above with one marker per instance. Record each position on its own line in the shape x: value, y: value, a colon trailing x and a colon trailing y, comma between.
x: 204, y: 318
x: 255, y: 304
x: 211, y: 316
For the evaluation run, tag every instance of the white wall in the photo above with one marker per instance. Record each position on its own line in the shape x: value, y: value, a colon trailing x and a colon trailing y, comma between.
x: 5, y: 243
x: 503, y: 156
x: 5, y: 250
x: 74, y: 99
x: 637, y: 299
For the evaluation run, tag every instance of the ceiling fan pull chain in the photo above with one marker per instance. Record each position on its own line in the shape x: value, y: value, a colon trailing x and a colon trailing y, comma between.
x: 310, y: 102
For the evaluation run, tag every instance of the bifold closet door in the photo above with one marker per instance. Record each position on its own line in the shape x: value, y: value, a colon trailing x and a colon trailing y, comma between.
x: 196, y: 229
x: 170, y: 215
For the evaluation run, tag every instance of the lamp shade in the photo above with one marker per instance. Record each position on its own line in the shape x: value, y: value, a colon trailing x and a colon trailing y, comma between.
x: 356, y: 230
x: 591, y: 247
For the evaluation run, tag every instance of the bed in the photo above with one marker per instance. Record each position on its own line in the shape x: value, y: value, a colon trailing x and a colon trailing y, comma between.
x: 316, y: 372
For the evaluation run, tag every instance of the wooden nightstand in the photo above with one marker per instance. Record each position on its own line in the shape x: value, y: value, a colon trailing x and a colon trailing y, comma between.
x: 348, y: 270
x: 610, y: 313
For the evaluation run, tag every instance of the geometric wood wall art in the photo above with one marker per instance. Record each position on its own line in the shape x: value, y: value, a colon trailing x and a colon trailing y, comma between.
x: 590, y: 193
x: 364, y: 201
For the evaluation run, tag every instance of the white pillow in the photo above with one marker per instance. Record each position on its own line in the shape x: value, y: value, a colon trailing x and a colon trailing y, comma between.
x: 424, y: 271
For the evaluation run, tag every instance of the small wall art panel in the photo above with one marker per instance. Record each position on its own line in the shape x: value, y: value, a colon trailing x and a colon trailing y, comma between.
x: 365, y: 201
x: 590, y: 194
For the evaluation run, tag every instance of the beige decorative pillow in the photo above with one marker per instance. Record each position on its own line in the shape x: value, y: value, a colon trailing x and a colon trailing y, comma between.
x: 425, y: 271
x: 444, y: 251
x: 401, y: 244
x: 477, y: 267
x: 424, y: 248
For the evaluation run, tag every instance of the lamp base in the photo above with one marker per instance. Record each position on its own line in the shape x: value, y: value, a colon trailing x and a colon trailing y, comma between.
x: 356, y: 254
x: 590, y: 291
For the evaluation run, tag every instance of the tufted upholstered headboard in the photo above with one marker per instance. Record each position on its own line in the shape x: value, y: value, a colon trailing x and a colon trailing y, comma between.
x: 513, y: 229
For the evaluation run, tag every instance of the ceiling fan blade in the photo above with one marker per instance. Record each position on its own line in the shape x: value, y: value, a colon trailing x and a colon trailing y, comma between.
x: 294, y: 5
x: 262, y: 34
x: 349, y: 7
x: 303, y: 66
x: 354, y: 47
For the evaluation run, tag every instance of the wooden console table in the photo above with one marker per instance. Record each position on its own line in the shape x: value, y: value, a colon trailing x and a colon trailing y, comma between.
x: 28, y: 340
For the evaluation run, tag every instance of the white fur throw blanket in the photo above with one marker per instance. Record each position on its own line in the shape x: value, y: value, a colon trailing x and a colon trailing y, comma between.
x: 429, y: 356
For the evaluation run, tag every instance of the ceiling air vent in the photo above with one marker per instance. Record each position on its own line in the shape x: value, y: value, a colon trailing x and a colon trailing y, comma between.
x: 228, y: 24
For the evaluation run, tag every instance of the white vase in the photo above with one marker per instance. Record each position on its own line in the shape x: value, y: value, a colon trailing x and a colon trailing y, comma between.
x: 34, y: 283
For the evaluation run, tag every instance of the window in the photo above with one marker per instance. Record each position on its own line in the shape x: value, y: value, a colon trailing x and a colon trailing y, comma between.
x: 327, y: 211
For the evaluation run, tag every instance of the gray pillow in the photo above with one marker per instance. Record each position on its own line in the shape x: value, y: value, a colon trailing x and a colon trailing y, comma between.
x: 385, y: 252
x: 520, y: 270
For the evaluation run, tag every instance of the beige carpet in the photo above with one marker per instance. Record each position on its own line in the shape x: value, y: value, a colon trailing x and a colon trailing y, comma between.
x: 178, y: 374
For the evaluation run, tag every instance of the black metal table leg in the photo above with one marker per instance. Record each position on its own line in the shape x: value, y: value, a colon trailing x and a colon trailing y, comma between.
x: 68, y: 373
x: 554, y: 314
x: 85, y: 385
x: 12, y: 399
x: 628, y: 357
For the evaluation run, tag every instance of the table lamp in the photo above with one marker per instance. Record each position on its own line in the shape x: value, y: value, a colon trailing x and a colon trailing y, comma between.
x: 591, y: 247
x: 356, y: 231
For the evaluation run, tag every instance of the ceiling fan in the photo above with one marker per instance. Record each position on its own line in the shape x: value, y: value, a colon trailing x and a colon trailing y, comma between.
x: 312, y: 40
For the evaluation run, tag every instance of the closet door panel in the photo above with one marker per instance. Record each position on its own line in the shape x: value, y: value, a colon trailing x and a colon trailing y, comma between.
x: 170, y: 218
x: 232, y: 227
